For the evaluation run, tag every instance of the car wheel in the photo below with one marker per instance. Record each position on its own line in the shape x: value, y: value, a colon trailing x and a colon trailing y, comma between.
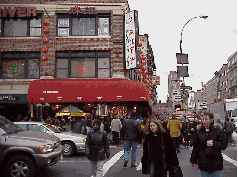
x: 20, y: 165
x: 68, y: 148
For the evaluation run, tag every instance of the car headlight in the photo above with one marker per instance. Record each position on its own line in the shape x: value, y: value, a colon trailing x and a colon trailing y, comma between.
x: 46, y: 148
x: 84, y: 140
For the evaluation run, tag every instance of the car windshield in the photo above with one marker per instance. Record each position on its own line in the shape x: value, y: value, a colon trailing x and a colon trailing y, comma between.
x: 7, y: 127
x: 52, y: 128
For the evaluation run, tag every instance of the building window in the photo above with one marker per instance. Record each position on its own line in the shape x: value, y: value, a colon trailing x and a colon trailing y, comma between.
x: 83, y: 64
x: 18, y: 27
x: 20, y: 65
x: 84, y: 25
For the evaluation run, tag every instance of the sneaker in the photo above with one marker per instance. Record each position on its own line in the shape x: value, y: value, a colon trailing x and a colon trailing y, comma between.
x: 133, y: 165
x: 125, y: 164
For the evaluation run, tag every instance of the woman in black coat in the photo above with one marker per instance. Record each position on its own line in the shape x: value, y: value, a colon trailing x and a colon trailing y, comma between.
x: 97, y: 148
x: 208, y: 143
x: 159, y: 155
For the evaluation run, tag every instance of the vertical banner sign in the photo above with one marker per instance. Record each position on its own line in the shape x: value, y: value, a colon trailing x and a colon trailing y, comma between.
x: 130, y: 40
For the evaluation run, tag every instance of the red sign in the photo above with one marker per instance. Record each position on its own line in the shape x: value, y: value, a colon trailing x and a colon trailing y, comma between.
x: 77, y: 11
x: 18, y: 11
x: 13, y: 68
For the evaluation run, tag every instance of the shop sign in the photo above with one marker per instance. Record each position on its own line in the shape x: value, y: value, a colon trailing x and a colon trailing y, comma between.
x: 22, y: 98
x: 78, y: 11
x: 49, y: 91
x: 9, y: 98
x: 130, y: 40
x: 18, y: 11
x: 155, y: 80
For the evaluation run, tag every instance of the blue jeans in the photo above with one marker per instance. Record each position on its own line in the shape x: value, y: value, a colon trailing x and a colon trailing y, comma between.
x: 152, y: 169
x: 211, y: 174
x: 127, y: 148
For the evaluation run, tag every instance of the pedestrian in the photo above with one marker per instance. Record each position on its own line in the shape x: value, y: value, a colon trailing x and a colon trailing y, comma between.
x: 159, y: 155
x: 234, y: 124
x: 18, y: 118
x: 185, y: 130
x: 194, y: 129
x: 116, y: 127
x: 25, y: 118
x: 130, y: 133
x: 228, y: 129
x: 107, y: 127
x: 139, y: 119
x: 48, y: 120
x: 210, y: 140
x: 175, y: 126
x: 97, y: 148
x: 219, y: 121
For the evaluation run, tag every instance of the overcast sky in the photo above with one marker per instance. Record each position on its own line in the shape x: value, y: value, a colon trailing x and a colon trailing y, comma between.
x: 208, y: 42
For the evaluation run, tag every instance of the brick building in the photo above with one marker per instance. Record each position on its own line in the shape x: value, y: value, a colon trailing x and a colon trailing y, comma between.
x: 58, y: 39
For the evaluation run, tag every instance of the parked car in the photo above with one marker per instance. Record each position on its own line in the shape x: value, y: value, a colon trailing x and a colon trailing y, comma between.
x: 72, y: 142
x: 22, y: 152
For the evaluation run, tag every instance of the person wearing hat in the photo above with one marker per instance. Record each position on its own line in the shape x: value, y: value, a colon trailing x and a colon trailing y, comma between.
x: 97, y: 148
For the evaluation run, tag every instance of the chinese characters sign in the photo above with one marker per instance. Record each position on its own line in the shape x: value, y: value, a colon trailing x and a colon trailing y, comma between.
x: 77, y: 10
x: 130, y: 40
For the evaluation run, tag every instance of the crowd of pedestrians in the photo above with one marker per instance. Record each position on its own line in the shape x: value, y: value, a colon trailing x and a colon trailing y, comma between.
x: 161, y: 139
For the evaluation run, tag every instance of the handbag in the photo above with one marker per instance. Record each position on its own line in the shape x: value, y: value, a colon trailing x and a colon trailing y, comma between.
x: 176, y: 172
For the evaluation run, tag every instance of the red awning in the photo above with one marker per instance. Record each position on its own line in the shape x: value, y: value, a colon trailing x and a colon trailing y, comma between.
x: 86, y: 90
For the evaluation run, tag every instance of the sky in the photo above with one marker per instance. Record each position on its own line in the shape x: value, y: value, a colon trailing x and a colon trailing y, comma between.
x: 208, y: 42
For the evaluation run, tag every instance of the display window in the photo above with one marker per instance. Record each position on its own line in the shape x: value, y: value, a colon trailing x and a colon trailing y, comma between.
x: 83, y: 64
x: 20, y: 65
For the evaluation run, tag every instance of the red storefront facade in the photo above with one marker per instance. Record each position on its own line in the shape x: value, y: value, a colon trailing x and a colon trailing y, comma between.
x: 60, y: 41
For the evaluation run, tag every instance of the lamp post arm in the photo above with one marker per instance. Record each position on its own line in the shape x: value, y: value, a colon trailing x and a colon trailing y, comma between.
x: 184, y: 27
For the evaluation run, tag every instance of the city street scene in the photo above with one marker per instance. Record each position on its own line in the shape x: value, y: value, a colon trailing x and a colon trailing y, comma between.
x: 114, y: 88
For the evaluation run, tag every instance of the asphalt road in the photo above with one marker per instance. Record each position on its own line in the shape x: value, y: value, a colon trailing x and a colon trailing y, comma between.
x: 78, y: 165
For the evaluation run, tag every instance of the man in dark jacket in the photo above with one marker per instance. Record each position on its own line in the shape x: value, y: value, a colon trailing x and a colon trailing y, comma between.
x: 97, y: 148
x: 228, y: 128
x: 130, y: 133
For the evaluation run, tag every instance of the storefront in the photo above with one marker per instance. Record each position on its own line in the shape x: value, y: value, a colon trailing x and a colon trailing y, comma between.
x: 100, y: 97
x: 68, y: 53
x: 13, y: 105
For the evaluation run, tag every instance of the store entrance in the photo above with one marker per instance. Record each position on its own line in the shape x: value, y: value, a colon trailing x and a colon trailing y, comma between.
x: 12, y: 111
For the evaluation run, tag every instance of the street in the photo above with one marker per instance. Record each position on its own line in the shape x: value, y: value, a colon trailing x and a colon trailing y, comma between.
x: 79, y: 165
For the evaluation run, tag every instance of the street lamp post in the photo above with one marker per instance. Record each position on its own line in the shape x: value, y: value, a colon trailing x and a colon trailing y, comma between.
x: 204, y: 17
x: 184, y: 99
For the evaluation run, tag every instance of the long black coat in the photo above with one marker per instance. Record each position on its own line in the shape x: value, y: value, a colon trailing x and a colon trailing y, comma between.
x: 164, y: 157
x: 96, y: 146
x: 209, y: 158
